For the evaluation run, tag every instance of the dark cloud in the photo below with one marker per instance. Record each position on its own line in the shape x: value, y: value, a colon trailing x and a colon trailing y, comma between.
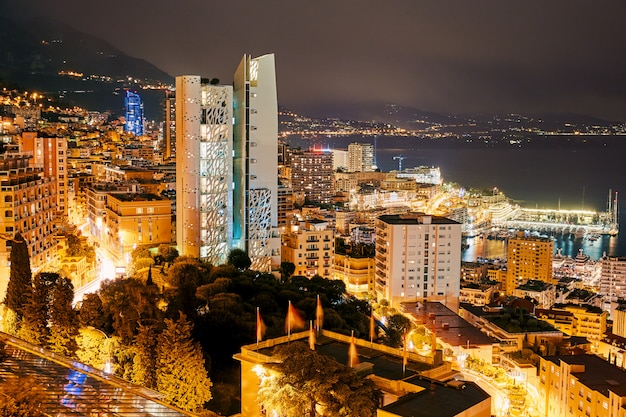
x: 447, y: 56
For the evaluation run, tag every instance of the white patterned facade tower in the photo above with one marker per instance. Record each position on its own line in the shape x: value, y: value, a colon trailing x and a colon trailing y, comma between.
x: 203, y: 169
x: 227, y: 167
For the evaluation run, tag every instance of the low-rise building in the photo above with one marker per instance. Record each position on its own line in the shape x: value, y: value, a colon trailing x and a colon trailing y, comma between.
x: 134, y: 220
x: 576, y: 320
x: 581, y: 385
x: 543, y: 293
x: 356, y: 273
x: 478, y: 294
x: 513, y: 329
x: 473, y: 272
x: 619, y: 320
x: 458, y: 337
x: 310, y: 246
x: 405, y: 392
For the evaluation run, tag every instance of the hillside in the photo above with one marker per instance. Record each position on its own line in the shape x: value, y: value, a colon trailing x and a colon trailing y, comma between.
x: 51, y: 57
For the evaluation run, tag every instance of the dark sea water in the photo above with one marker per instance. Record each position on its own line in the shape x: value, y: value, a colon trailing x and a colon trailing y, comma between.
x: 565, y: 172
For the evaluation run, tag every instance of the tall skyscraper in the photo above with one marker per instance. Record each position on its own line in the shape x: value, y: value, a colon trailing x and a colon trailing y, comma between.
x: 226, y: 165
x: 418, y: 258
x: 133, y: 110
x: 255, y: 162
x: 204, y: 172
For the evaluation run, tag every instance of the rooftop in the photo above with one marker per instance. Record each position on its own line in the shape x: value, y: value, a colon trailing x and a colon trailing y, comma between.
x: 415, y: 218
x: 598, y: 374
x: 450, y: 327
x: 138, y: 197
x: 534, y: 285
x: 437, y: 399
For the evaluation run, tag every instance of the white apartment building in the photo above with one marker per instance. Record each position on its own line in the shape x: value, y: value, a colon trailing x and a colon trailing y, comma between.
x: 418, y: 258
x: 613, y: 281
x: 360, y: 157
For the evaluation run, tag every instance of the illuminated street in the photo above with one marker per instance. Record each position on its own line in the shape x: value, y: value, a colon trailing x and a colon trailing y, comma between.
x: 105, y: 268
x: 499, y: 398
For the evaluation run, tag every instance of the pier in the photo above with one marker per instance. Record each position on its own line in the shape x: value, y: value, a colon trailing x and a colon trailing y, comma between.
x: 555, y: 221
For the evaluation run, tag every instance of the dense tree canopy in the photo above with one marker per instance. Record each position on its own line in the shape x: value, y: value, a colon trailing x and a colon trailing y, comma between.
x: 127, y: 303
x: 306, y: 383
x: 79, y: 247
x: 20, y: 277
x: 63, y: 320
x: 239, y: 259
x: 34, y: 327
x: 22, y: 397
x: 397, y: 326
x: 181, y: 374
x: 144, y: 361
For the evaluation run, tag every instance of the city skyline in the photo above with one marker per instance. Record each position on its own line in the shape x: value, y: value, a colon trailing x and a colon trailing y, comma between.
x: 452, y: 57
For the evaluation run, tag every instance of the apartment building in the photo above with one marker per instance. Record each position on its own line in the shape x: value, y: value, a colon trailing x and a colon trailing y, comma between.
x: 418, y: 258
x: 310, y: 246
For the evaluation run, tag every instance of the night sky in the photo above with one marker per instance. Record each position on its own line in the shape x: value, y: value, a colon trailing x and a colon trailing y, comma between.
x: 445, y: 56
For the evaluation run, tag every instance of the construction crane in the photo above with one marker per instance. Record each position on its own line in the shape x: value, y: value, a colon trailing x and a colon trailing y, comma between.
x: 399, y: 158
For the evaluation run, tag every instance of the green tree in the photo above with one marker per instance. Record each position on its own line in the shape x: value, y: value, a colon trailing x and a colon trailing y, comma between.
x: 144, y: 361
x: 286, y: 270
x: 140, y: 258
x: 79, y: 247
x: 91, y: 312
x: 305, y: 383
x: 34, y: 327
x: 181, y: 375
x: 239, y: 259
x: 95, y: 348
x: 185, y: 277
x: 127, y: 303
x: 19, y: 287
x: 167, y: 253
x: 396, y: 327
x: 63, y: 320
x: 22, y: 397
x: 149, y: 280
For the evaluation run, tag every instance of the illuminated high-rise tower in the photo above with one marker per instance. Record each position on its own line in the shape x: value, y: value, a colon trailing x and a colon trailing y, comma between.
x: 255, y: 164
x: 204, y: 169
x: 226, y: 165
x: 133, y: 110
